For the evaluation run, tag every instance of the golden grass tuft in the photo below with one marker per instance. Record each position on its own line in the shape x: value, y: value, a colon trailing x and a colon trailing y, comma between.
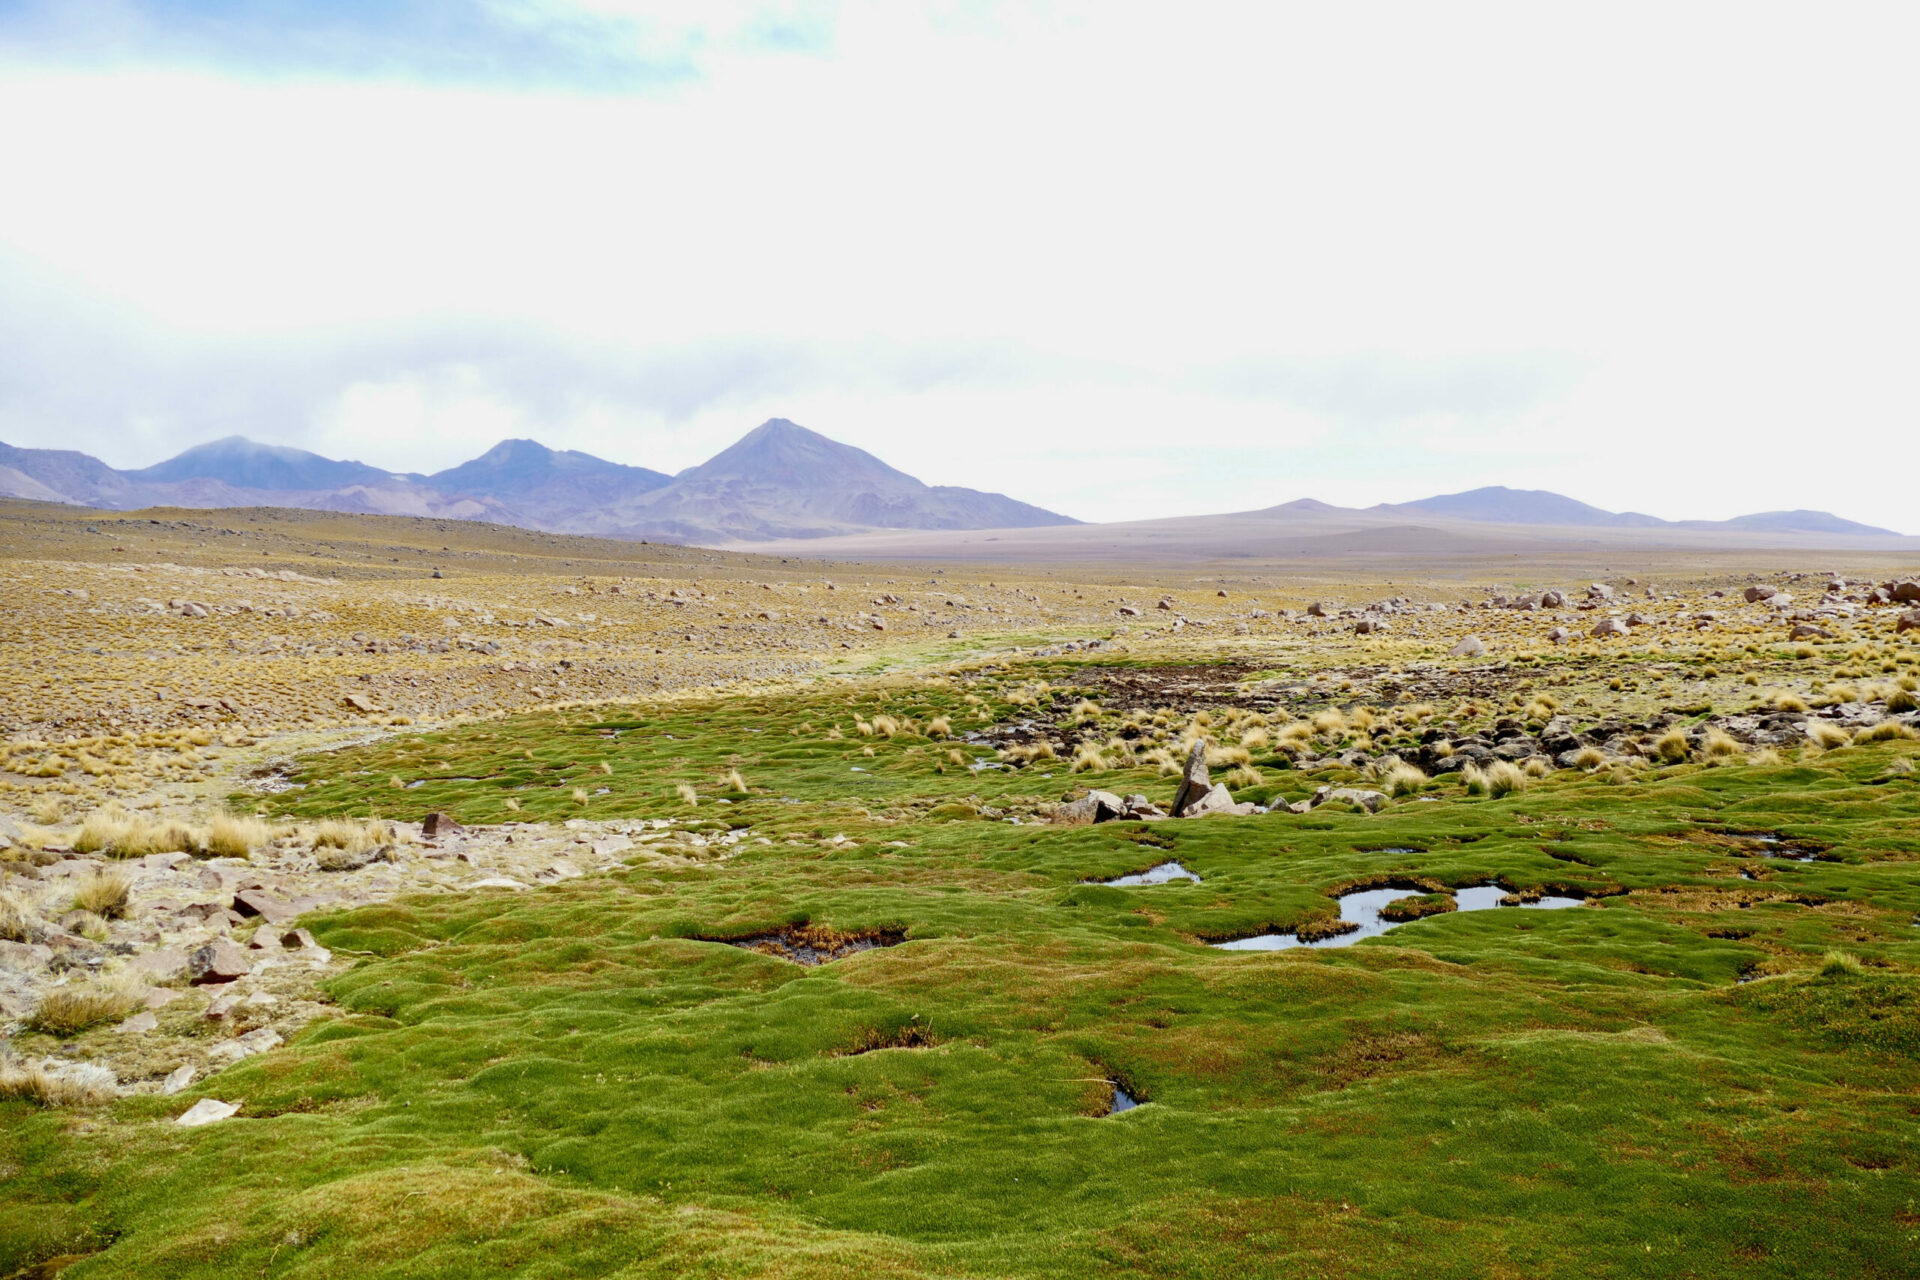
x: 1244, y: 776
x: 1672, y: 746
x: 1719, y: 745
x: 16, y: 921
x: 1766, y: 758
x: 1496, y: 779
x: 939, y: 727
x: 1885, y: 731
x: 352, y: 835
x: 234, y: 835
x: 1088, y: 757
x: 104, y: 893
x: 1784, y: 701
x: 1827, y: 736
x: 1401, y: 779
x: 580, y: 796
x: 1589, y: 758
x: 732, y: 780
x: 1841, y: 962
x: 67, y: 1011
x: 688, y: 796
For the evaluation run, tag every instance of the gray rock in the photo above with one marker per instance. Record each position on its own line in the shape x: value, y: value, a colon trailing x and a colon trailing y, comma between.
x: 1763, y: 592
x: 178, y: 1079
x: 258, y: 902
x: 1216, y: 800
x: 1469, y: 647
x: 1608, y: 627
x: 1371, y: 801
x: 438, y: 825
x: 1907, y: 622
x: 138, y: 1024
x: 1807, y: 631
x: 1095, y: 806
x: 1559, y: 635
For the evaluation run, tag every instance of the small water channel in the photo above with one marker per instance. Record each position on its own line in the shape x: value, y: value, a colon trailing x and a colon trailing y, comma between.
x: 1361, y: 908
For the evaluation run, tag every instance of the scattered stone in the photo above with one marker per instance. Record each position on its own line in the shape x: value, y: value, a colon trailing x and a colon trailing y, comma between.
x: 1469, y: 647
x: 205, y: 1111
x: 1763, y: 592
x: 139, y: 1023
x: 1807, y: 631
x: 1095, y: 806
x: 1608, y: 627
x: 169, y: 964
x: 1907, y: 622
x: 258, y: 902
x: 1371, y: 801
x: 180, y: 1077
x: 1559, y: 635
x: 1216, y: 800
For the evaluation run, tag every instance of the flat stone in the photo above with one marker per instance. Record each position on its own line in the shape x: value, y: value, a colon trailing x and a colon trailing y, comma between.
x: 258, y: 902
x: 139, y: 1023
x: 205, y: 1111
x: 180, y: 1077
x: 435, y: 826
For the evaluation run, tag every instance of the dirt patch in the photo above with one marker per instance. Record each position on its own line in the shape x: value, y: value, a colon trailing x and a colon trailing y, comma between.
x: 815, y: 944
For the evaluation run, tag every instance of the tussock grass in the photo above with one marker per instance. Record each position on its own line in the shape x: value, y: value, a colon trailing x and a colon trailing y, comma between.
x: 1885, y: 731
x: 234, y: 835
x: 1719, y: 745
x: 16, y: 920
x: 1827, y: 736
x: 1766, y: 758
x: 105, y: 894
x: 1398, y: 778
x: 67, y: 1011
x: 688, y: 796
x: 1589, y: 758
x: 939, y: 727
x: 1784, y: 701
x: 1088, y: 757
x: 732, y: 780
x: 1673, y: 746
x: 1498, y: 778
x: 348, y: 834
x: 1842, y: 963
x: 1244, y: 776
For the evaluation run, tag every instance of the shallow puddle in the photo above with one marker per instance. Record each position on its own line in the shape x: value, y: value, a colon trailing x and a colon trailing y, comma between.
x: 813, y: 946
x: 1122, y: 1101
x: 1362, y: 907
x: 1153, y: 875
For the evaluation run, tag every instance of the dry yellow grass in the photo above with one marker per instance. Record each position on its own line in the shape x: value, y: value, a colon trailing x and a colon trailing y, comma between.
x: 1827, y: 736
x: 688, y: 796
x: 69, y: 1010
x: 233, y: 835
x: 36, y: 1085
x: 104, y: 893
x: 16, y: 920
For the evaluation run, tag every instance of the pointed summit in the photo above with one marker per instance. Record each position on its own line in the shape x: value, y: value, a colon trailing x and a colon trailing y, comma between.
x: 526, y: 469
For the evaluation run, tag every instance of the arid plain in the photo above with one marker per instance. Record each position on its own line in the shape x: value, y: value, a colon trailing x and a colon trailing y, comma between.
x: 413, y: 897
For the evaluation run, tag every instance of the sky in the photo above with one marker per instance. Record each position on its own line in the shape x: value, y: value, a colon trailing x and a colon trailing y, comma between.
x: 1123, y: 261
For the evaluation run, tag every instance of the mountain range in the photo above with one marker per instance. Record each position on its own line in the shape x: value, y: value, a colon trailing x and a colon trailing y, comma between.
x: 779, y: 482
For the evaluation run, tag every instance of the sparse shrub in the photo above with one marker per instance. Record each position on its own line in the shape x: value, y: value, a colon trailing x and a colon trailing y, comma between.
x: 688, y: 796
x: 67, y: 1011
x: 47, y: 810
x: 1827, y: 736
x: 1885, y: 731
x: 1328, y: 723
x: 353, y: 836
x: 1784, y: 701
x: 1227, y: 757
x: 104, y: 893
x: 862, y: 728
x: 886, y: 726
x: 1256, y: 740
x: 397, y: 782
x: 1902, y: 700
x: 957, y: 756
x: 1536, y: 767
x: 1086, y: 710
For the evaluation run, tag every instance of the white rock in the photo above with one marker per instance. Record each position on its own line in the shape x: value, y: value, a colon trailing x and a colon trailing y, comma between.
x: 497, y: 882
x: 181, y: 1077
x: 205, y: 1111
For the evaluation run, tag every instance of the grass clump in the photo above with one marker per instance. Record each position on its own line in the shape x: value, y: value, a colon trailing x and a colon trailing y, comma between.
x: 1885, y: 731
x: 1838, y: 962
x: 1827, y: 736
x: 67, y: 1011
x: 1496, y: 779
x: 104, y: 893
x: 232, y: 835
x: 16, y: 921
x: 688, y: 796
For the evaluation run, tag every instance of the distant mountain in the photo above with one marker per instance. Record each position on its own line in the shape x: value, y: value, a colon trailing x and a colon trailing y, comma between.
x: 1497, y: 504
x: 245, y: 464
x: 781, y: 480
x: 1796, y: 522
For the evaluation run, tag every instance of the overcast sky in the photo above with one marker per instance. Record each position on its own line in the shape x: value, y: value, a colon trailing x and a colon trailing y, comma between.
x: 1119, y: 260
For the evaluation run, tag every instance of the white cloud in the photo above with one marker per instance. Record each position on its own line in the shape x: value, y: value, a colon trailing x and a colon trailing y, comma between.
x: 1655, y: 256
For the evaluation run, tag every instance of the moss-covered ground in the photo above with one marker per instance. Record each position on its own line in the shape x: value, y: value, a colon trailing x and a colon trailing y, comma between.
x: 1678, y: 1078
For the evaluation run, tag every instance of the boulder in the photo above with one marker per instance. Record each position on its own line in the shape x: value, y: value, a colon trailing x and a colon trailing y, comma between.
x: 1807, y: 631
x: 217, y: 961
x: 1369, y: 626
x: 1905, y: 592
x: 1095, y: 806
x: 1194, y: 780
x: 169, y: 964
x: 1599, y: 591
x: 1553, y: 600
x: 1756, y: 594
x: 1371, y: 801
x: 1216, y: 800
x: 1608, y: 627
x: 178, y: 1079
x: 1469, y: 647
x: 1909, y: 621
x: 1559, y: 635
x: 1316, y: 610
x: 436, y: 826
